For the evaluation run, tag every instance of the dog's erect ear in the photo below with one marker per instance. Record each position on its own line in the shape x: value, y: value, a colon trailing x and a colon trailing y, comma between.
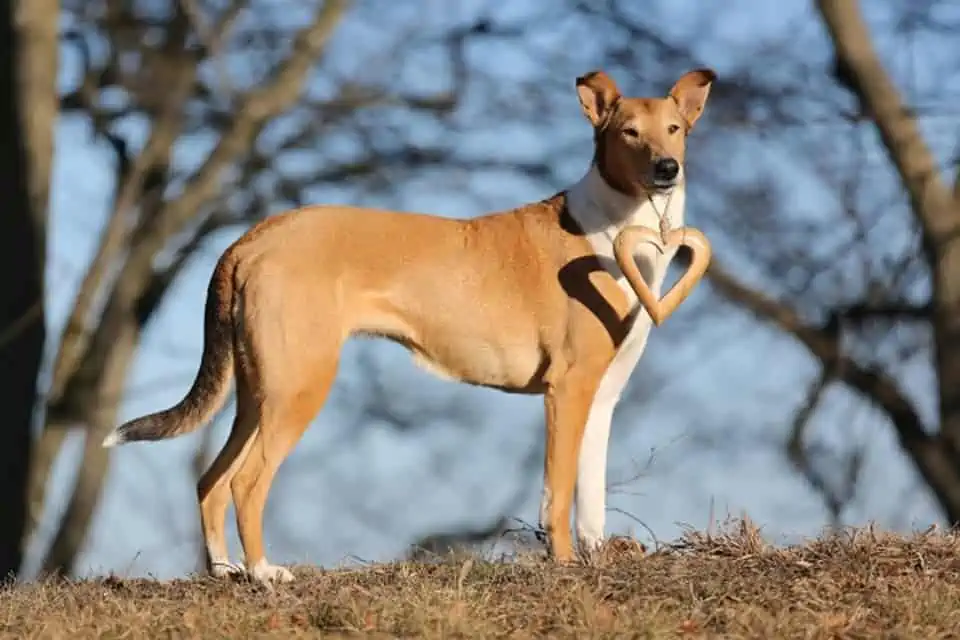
x: 598, y: 93
x: 690, y: 93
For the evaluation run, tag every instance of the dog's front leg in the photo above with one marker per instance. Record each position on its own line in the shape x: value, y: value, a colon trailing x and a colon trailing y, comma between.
x: 567, y: 405
x: 591, y: 492
x: 592, y: 476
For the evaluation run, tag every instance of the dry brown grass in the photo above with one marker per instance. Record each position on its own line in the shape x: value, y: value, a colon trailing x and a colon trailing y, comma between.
x: 859, y: 584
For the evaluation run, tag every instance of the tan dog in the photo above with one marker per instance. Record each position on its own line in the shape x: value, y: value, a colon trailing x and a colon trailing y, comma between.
x: 529, y: 300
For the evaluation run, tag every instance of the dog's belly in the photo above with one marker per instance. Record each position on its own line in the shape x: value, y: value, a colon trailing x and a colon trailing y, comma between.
x: 468, y: 347
x: 509, y: 364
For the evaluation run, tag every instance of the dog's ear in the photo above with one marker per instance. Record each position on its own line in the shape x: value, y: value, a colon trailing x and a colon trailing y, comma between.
x: 598, y: 93
x: 690, y: 93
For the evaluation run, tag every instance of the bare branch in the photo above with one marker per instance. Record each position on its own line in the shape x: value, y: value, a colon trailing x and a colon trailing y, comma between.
x: 213, y: 37
x: 887, y: 311
x: 804, y: 459
x: 95, y: 462
x: 860, y: 69
x: 933, y: 462
x: 130, y: 183
x: 252, y: 113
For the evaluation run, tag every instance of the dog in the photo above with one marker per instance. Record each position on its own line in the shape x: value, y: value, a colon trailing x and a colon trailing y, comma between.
x: 529, y: 300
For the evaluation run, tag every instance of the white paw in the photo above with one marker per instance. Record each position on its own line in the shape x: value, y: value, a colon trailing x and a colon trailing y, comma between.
x: 588, y: 545
x: 225, y: 569
x: 266, y: 573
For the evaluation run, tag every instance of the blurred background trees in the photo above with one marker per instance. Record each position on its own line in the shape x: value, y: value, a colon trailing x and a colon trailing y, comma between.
x: 822, y: 352
x: 28, y: 112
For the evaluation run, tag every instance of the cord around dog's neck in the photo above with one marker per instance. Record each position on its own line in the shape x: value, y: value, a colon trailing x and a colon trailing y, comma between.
x: 665, y: 222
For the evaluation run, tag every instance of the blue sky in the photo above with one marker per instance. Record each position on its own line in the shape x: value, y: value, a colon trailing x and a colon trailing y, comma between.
x: 364, y: 490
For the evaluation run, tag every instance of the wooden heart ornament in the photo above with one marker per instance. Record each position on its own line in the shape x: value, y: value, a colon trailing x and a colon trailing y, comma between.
x: 623, y: 249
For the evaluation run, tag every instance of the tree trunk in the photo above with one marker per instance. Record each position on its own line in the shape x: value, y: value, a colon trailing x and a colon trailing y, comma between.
x: 28, y: 109
x: 93, y: 400
x: 105, y: 406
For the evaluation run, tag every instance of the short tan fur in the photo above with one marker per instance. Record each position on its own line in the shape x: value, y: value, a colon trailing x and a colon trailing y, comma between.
x: 515, y: 300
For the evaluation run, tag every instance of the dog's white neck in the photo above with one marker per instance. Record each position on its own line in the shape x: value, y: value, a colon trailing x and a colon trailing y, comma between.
x: 602, y: 211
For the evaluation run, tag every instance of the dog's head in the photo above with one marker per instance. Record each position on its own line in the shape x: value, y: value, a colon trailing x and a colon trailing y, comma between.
x: 640, y: 142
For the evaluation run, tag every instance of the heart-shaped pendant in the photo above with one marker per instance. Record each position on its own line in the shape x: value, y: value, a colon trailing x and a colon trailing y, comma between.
x: 623, y: 248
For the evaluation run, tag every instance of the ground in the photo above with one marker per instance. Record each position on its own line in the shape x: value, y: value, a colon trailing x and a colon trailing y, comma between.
x: 854, y: 584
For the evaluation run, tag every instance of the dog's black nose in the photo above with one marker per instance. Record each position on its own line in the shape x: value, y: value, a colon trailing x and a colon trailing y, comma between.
x: 665, y: 170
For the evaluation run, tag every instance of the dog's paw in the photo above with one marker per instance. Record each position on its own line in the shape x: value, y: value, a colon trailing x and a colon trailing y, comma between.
x: 226, y: 569
x: 269, y: 574
x: 589, y: 545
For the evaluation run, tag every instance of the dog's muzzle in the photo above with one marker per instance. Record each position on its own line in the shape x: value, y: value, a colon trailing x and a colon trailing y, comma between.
x: 665, y: 173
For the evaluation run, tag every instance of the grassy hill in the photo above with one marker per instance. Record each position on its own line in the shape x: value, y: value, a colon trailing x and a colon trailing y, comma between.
x: 858, y: 584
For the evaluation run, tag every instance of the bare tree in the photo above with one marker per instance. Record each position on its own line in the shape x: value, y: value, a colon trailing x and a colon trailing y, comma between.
x: 28, y: 74
x: 831, y: 207
x: 860, y: 340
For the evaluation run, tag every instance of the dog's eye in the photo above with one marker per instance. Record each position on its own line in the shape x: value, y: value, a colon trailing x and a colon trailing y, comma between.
x: 672, y: 129
x: 630, y: 132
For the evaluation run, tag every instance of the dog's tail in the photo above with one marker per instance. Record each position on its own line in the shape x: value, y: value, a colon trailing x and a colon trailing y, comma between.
x: 212, y: 383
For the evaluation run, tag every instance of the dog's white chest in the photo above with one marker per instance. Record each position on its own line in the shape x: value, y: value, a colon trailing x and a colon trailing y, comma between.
x: 629, y: 352
x: 602, y: 213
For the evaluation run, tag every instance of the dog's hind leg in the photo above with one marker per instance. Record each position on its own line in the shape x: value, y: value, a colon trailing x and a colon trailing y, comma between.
x: 282, y: 423
x: 213, y: 489
x: 293, y: 370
